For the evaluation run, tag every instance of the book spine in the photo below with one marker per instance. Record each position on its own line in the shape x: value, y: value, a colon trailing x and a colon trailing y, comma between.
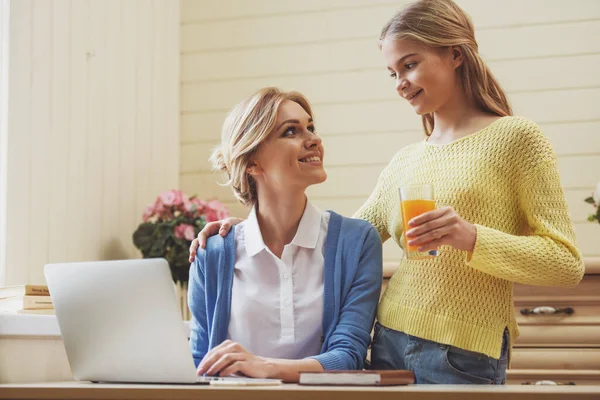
x: 37, y: 302
x: 36, y: 290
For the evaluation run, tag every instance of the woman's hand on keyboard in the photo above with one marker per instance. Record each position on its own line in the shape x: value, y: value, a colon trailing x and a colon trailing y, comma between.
x: 230, y: 358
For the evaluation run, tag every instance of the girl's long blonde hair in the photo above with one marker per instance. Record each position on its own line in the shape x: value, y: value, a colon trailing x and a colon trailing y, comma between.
x: 246, y: 127
x: 442, y: 23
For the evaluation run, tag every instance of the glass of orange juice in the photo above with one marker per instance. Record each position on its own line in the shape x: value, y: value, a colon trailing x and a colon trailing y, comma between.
x: 414, y: 201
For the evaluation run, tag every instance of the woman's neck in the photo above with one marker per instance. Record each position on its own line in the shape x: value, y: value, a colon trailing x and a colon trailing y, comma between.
x: 279, y: 214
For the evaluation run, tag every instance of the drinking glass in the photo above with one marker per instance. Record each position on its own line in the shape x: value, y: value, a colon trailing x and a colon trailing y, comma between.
x: 414, y: 201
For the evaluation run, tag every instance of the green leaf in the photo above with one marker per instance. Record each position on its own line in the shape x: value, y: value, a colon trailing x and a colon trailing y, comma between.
x: 143, y: 237
x: 589, y: 200
x: 200, y: 222
x: 158, y: 240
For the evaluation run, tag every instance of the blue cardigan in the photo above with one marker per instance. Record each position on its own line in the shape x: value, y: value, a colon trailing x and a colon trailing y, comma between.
x: 352, y: 284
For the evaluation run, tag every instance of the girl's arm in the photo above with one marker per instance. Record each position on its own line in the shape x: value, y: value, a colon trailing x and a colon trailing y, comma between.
x: 374, y: 209
x: 547, y: 255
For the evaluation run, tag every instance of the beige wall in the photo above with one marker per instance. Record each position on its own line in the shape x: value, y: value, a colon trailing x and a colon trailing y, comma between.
x: 546, y: 54
x: 92, y: 128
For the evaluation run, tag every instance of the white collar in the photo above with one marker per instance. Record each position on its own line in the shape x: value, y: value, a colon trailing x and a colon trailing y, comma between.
x: 307, y: 235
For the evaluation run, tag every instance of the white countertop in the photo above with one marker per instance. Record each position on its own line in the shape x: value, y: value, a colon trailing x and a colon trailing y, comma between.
x: 12, y: 324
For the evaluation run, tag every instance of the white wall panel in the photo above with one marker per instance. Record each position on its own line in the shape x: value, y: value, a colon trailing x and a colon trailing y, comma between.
x: 93, y: 127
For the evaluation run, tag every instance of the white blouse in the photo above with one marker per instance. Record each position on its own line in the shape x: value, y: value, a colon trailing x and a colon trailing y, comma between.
x: 277, y: 304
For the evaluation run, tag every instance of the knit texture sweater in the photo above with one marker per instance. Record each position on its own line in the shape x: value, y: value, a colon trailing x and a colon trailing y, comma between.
x: 504, y: 180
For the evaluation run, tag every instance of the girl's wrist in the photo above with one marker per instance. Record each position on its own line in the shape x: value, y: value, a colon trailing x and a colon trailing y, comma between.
x: 473, y: 238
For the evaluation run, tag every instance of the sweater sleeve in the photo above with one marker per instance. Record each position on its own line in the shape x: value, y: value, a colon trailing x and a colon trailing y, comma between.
x: 197, y: 304
x: 350, y: 339
x: 374, y: 209
x: 546, y: 254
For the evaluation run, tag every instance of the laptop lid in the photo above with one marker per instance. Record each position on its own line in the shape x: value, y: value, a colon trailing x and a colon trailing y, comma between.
x: 120, y: 321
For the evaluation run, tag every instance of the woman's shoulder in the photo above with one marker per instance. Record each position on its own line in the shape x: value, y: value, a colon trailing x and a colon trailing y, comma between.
x: 217, y: 245
x: 354, y: 227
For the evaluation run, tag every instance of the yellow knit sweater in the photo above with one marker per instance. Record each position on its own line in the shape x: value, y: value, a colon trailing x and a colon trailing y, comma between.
x: 504, y: 180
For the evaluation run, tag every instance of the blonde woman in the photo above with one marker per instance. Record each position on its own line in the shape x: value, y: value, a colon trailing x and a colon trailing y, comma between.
x: 501, y: 217
x: 292, y: 288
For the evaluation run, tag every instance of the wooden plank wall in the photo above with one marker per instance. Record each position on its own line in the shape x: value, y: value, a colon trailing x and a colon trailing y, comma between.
x: 546, y: 54
x: 93, y: 124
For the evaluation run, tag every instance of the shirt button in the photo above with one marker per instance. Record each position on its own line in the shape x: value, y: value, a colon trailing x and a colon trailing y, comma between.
x: 287, y: 302
x: 286, y: 275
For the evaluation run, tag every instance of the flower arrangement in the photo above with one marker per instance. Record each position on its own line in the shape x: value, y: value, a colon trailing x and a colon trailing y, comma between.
x: 595, y: 201
x: 169, y: 226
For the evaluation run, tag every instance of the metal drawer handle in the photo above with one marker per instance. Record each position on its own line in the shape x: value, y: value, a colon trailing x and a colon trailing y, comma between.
x: 551, y: 383
x: 547, y: 311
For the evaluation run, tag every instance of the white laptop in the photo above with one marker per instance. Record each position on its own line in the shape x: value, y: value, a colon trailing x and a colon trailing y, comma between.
x: 120, y: 322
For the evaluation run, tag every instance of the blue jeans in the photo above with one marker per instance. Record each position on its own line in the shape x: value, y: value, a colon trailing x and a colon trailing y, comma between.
x: 434, y: 362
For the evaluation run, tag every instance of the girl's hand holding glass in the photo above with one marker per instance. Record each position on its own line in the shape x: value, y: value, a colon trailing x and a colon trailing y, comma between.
x: 439, y: 227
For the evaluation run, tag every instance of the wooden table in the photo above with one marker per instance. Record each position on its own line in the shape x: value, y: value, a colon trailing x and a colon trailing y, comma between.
x: 86, y: 390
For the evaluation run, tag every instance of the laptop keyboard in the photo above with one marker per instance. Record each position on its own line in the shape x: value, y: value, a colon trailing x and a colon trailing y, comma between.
x: 208, y: 379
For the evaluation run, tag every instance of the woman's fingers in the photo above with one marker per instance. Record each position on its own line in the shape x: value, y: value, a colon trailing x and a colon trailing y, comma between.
x: 235, y: 368
x: 214, y: 355
x: 225, y: 361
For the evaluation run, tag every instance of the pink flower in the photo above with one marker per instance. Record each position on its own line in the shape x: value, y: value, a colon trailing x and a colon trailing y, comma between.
x: 222, y: 213
x: 210, y: 215
x: 148, y: 212
x: 159, y: 207
x: 200, y: 204
x: 185, y: 231
x: 167, y: 198
x: 219, y: 208
x: 179, y: 197
x: 188, y: 206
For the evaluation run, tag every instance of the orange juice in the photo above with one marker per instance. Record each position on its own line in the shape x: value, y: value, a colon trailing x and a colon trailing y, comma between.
x: 411, y: 209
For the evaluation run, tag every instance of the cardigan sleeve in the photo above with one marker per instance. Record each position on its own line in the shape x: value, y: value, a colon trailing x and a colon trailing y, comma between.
x: 347, y: 346
x: 199, y: 339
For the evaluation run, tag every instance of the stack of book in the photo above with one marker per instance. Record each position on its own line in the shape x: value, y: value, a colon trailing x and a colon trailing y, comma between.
x: 26, y: 299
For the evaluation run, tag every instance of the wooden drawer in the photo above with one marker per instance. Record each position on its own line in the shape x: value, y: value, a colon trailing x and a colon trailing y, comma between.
x: 587, y: 292
x: 555, y: 359
x: 551, y: 377
x: 579, y: 329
